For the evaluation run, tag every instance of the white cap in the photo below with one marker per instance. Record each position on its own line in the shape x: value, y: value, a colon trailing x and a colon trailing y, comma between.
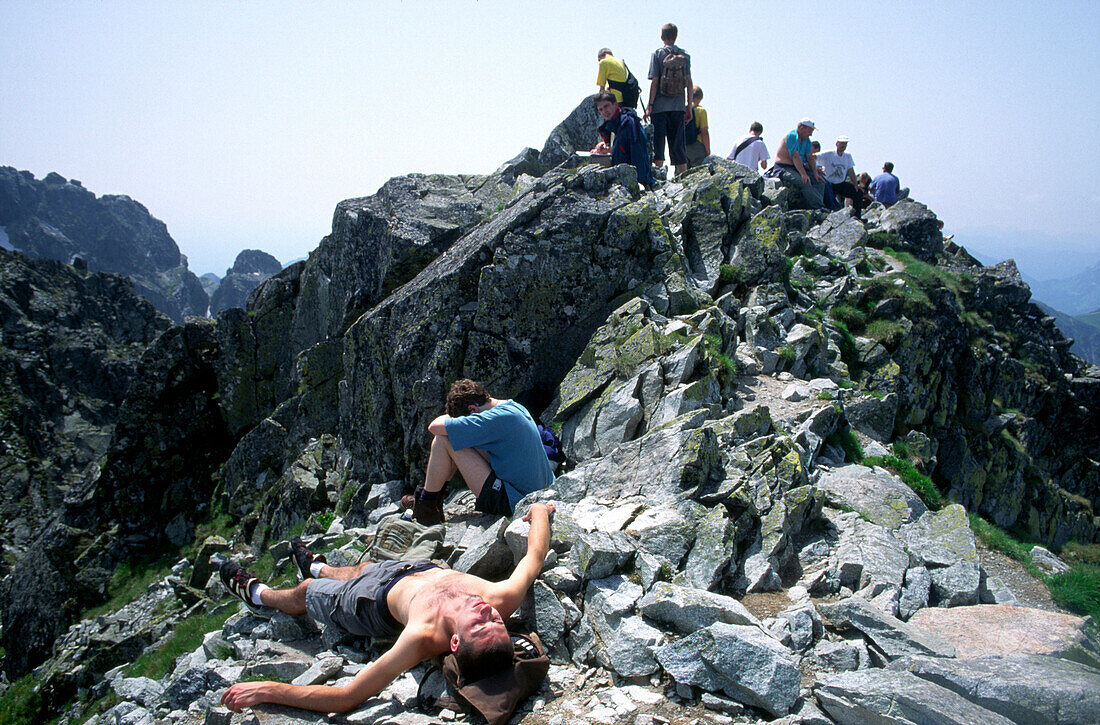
x: 842, y: 139
x: 807, y: 122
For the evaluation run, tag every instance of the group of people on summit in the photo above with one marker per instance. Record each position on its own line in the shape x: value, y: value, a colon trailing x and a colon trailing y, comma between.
x: 825, y: 181
x: 496, y: 446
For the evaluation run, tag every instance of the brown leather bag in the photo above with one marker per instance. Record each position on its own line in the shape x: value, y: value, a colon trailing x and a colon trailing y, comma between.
x: 497, y: 696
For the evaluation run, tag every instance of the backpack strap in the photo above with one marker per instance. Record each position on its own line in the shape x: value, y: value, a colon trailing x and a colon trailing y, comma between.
x: 745, y: 144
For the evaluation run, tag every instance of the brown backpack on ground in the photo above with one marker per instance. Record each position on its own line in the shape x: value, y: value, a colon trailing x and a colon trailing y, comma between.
x: 497, y: 696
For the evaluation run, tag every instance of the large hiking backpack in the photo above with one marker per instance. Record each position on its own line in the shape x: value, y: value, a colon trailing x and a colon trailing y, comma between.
x: 630, y: 89
x: 674, y: 72
x: 494, y: 697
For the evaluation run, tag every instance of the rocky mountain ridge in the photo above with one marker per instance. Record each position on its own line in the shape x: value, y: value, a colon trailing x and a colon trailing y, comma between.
x: 708, y: 352
x: 56, y: 218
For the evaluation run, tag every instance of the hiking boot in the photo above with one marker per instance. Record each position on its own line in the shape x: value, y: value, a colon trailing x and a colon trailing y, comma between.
x: 428, y: 512
x: 239, y: 583
x: 303, y: 558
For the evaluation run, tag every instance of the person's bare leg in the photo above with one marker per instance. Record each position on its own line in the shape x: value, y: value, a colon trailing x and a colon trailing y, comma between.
x: 342, y: 573
x: 444, y: 460
x: 289, y: 601
x: 681, y: 168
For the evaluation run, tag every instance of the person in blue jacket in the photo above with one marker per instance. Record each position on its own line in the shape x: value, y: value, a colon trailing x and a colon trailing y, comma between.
x: 629, y: 143
x: 494, y: 444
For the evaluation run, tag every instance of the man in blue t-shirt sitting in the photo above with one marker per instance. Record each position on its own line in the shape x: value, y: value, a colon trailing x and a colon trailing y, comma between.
x: 886, y: 186
x: 494, y: 444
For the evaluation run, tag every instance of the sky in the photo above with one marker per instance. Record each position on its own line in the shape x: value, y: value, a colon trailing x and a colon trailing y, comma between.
x: 241, y: 125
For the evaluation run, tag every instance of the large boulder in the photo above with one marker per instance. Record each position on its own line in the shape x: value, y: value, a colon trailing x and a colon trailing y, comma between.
x: 742, y: 661
x: 1021, y: 687
x: 879, y: 497
x: 511, y: 305
x: 1002, y: 629
x: 901, y: 698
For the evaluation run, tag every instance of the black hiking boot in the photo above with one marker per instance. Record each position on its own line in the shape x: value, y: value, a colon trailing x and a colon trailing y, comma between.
x: 428, y: 508
x: 239, y: 583
x: 303, y: 558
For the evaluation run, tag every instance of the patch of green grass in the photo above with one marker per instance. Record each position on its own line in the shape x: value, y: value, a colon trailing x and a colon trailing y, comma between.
x: 21, y: 704
x: 130, y: 580
x: 908, y: 473
x: 346, y: 496
x: 1000, y: 540
x: 849, y: 353
x: 826, y: 395
x: 731, y: 274
x: 1078, y: 589
x: 787, y: 355
x: 325, y: 519
x: 887, y: 332
x: 186, y: 637
x: 882, y: 240
x: 851, y: 317
x: 846, y: 440
x: 785, y: 273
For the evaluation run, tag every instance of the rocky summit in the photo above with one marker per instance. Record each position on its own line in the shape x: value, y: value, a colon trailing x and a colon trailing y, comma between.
x: 249, y: 269
x: 779, y: 425
x: 57, y: 218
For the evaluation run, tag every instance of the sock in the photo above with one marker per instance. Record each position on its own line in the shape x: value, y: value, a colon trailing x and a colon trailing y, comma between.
x: 315, y: 569
x: 426, y: 495
x: 257, y: 588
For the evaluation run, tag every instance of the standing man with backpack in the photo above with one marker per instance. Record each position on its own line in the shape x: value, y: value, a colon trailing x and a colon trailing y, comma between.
x: 669, y: 106
x: 615, y: 76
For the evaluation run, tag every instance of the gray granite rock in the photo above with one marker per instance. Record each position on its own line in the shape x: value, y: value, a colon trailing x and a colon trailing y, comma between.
x: 743, y: 662
x: 941, y: 538
x: 914, y: 595
x: 885, y: 697
x: 877, y: 495
x: 869, y: 554
x: 598, y: 554
x: 687, y: 609
x: 486, y: 554
x: 1022, y: 688
x: 320, y: 671
x: 893, y: 637
x: 956, y: 585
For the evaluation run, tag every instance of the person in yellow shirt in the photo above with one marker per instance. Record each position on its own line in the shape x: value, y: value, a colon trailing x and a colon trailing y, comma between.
x: 616, y: 77
x: 698, y: 143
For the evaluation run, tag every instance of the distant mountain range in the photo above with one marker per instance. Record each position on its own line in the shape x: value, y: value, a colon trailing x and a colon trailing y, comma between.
x: 57, y: 218
x: 1050, y: 267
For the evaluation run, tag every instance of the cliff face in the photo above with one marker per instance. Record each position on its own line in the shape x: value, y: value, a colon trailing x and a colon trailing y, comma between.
x: 705, y: 348
x: 70, y: 345
x: 61, y: 220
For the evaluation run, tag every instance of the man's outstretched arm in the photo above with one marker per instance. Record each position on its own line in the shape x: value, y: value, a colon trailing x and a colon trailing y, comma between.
x: 409, y: 649
x: 512, y: 591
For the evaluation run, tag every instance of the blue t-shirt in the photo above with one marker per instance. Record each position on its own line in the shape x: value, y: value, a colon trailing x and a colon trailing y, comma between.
x: 885, y: 187
x: 803, y: 148
x: 508, y: 434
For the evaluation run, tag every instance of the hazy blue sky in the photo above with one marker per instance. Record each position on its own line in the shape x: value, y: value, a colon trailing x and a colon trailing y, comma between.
x: 242, y: 124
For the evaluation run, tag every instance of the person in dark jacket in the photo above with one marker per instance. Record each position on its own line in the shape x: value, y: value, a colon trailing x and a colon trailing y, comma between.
x: 623, y: 137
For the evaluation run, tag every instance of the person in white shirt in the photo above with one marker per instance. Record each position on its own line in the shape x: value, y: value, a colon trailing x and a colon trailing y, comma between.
x: 841, y: 177
x: 750, y: 150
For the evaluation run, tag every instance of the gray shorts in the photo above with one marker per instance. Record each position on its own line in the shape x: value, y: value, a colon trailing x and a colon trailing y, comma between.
x: 358, y: 606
